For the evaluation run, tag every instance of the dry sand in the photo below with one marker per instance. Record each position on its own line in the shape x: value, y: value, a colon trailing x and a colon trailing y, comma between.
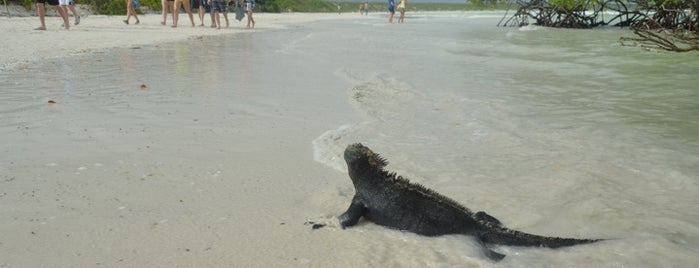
x: 21, y: 44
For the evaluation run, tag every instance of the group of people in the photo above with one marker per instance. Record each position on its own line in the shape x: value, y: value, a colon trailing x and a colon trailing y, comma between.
x: 62, y: 7
x: 364, y: 9
x: 402, y: 4
x: 214, y: 7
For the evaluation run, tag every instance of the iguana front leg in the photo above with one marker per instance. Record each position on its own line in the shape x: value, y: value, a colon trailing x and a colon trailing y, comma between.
x: 355, y: 211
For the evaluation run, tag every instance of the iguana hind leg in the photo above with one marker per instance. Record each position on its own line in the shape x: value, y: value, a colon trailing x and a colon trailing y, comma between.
x: 480, y: 215
x: 491, y: 254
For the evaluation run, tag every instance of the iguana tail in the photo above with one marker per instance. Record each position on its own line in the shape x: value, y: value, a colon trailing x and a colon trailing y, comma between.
x: 495, y: 233
x: 504, y: 236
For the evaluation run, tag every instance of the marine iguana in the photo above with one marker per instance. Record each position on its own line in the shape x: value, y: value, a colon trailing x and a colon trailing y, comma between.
x: 390, y: 200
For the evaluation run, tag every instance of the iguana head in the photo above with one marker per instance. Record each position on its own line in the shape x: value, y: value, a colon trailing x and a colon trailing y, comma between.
x: 358, y: 154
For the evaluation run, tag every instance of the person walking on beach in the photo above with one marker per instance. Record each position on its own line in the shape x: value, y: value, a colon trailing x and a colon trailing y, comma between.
x: 202, y: 7
x: 366, y: 8
x: 176, y: 12
x: 165, y: 4
x: 68, y: 5
x: 401, y: 7
x: 391, y: 10
x: 249, y: 6
x: 218, y: 7
x: 130, y: 11
x: 41, y: 12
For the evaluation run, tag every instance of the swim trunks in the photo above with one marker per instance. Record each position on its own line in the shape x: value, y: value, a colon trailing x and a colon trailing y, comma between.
x: 218, y: 5
x: 50, y: 2
x: 199, y: 3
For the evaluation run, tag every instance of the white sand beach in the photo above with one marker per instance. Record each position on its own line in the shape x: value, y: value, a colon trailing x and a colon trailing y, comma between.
x: 22, y: 44
x: 151, y: 146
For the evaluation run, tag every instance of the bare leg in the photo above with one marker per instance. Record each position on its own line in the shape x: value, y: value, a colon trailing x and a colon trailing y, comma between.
x: 41, y: 12
x: 75, y: 14
x: 225, y: 16
x: 175, y: 12
x: 64, y: 15
x: 251, y: 21
x: 188, y: 9
x: 218, y: 20
x: 201, y: 14
x: 213, y: 20
x: 164, y: 6
x: 133, y: 12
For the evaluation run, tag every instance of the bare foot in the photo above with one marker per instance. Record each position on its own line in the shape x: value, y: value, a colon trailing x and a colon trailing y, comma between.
x: 41, y: 28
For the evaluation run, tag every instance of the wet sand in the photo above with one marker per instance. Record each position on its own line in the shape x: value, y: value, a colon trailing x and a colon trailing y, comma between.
x: 110, y: 178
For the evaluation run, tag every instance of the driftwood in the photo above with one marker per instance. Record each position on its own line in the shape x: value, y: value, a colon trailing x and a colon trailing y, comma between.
x: 671, y: 26
x: 677, y: 40
x: 587, y: 14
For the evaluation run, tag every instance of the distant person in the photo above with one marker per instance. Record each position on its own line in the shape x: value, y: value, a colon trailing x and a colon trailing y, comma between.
x: 130, y: 11
x: 165, y: 4
x: 225, y: 12
x: 361, y: 9
x: 218, y: 7
x: 41, y: 11
x: 249, y: 7
x: 202, y: 7
x: 366, y: 8
x: 176, y: 12
x: 68, y: 5
x: 391, y: 10
x: 401, y: 7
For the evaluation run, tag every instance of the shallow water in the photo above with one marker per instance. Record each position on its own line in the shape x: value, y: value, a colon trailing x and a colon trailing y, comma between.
x: 554, y: 132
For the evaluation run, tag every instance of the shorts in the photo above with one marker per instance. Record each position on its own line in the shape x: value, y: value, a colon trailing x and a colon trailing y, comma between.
x: 199, y: 3
x: 218, y: 5
x: 50, y: 2
x: 63, y: 2
x: 391, y: 10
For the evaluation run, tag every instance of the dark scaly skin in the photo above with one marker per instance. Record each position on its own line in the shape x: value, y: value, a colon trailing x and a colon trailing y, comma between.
x: 392, y: 201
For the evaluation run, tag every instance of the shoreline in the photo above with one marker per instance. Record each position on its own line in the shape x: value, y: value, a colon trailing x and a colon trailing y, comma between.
x: 102, y: 32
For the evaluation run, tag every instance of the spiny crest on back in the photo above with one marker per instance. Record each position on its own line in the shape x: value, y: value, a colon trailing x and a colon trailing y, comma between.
x: 358, y: 151
x: 404, y: 183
